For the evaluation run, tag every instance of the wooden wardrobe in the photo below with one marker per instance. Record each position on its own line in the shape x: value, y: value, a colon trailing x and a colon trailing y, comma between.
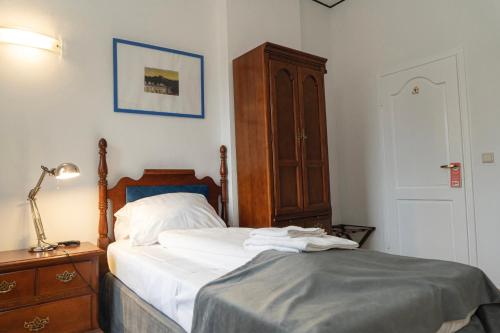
x: 281, y: 139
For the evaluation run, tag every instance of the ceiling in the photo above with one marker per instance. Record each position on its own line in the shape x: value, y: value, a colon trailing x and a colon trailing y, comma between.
x: 329, y: 3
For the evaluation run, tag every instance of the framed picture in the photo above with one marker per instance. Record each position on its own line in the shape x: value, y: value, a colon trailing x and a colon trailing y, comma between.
x: 155, y: 80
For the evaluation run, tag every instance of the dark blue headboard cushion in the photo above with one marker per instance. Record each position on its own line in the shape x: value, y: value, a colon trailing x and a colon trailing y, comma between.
x: 134, y: 193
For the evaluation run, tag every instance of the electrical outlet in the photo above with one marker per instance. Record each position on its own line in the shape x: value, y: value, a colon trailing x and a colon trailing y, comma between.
x: 487, y: 158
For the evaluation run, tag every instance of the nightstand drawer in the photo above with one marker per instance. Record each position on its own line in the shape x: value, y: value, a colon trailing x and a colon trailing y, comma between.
x: 60, y: 278
x: 69, y: 315
x: 17, y: 285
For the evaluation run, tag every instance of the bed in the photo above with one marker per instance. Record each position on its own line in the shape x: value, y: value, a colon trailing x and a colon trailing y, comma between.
x: 204, y: 283
x: 122, y: 310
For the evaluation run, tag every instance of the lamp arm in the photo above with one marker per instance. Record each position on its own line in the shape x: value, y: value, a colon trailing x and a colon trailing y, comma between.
x: 37, y: 221
x: 38, y: 185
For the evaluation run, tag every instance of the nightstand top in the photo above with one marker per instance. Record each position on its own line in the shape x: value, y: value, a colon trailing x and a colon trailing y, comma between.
x: 24, y: 259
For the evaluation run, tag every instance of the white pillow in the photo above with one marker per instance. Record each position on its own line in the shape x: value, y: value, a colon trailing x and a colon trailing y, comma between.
x: 122, y: 228
x: 152, y: 215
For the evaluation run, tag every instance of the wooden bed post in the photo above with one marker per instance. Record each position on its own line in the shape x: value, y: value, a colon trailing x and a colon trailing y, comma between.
x: 223, y: 182
x: 103, y: 241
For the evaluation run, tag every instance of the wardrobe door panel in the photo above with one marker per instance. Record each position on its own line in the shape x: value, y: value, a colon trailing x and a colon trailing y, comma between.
x: 314, y: 140
x: 285, y: 121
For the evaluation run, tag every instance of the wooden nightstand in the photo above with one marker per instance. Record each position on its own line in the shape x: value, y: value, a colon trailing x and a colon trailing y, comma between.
x: 55, y: 291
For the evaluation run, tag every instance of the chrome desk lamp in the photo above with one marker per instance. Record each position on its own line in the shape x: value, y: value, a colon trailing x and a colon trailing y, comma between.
x: 63, y: 171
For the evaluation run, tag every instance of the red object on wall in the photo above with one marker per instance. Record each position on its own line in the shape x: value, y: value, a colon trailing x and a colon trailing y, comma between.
x: 456, y: 175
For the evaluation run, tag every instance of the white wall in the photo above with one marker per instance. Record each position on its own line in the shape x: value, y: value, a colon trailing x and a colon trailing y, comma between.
x: 251, y: 23
x: 54, y: 109
x: 366, y: 38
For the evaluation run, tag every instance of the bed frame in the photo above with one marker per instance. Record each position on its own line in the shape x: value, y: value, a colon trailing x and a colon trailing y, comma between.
x: 152, y: 177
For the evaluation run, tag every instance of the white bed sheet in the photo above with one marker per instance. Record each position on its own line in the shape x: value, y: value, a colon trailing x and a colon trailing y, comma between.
x: 169, y: 279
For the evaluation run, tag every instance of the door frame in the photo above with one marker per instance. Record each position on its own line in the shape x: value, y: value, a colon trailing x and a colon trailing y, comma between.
x: 463, y: 97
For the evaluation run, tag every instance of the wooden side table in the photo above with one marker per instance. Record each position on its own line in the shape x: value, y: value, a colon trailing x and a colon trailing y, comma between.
x: 350, y: 231
x: 54, y: 291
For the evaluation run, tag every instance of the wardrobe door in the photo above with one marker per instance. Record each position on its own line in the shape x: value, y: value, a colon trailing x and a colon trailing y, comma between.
x: 285, y: 126
x: 314, y: 140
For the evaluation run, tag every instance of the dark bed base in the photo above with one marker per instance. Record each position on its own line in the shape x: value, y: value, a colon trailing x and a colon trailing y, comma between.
x: 123, y: 311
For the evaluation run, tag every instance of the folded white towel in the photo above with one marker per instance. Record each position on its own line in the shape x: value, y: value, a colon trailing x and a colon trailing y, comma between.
x: 306, y: 244
x: 290, y: 231
x: 261, y: 248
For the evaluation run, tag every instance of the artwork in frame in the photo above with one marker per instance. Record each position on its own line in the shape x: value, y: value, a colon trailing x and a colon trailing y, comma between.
x: 156, y: 80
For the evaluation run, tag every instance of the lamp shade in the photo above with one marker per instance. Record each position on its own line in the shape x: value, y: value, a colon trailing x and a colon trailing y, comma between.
x: 66, y: 171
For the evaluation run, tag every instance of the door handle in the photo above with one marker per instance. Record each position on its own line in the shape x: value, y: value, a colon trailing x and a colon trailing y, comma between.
x: 450, y: 166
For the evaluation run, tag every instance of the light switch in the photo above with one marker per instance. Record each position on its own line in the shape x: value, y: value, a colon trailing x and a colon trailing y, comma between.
x: 487, y: 158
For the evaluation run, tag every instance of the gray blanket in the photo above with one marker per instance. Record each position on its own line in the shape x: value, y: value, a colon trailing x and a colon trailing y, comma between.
x: 342, y: 291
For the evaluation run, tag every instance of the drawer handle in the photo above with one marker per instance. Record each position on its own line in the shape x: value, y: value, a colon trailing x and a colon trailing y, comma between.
x: 6, y: 286
x: 66, y: 276
x: 36, y: 324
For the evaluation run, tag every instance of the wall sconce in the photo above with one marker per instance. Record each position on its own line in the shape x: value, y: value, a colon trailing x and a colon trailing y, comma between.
x: 31, y: 39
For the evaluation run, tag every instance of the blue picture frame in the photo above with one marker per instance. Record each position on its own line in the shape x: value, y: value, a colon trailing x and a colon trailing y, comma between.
x: 117, y: 41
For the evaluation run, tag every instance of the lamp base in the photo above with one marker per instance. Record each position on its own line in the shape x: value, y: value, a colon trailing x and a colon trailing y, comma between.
x: 42, y: 248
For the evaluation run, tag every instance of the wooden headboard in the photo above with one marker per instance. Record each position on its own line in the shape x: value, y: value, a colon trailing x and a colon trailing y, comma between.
x: 153, y: 177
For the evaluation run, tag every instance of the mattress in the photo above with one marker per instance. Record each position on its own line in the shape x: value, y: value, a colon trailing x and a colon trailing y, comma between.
x: 122, y: 311
x: 169, y: 277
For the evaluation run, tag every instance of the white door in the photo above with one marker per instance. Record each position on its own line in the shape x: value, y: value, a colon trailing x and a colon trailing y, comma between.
x: 425, y: 216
